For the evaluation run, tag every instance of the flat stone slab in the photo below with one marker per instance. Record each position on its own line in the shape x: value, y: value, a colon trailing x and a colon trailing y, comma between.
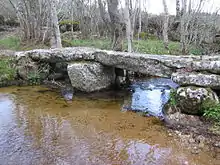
x: 197, y: 79
x: 148, y: 64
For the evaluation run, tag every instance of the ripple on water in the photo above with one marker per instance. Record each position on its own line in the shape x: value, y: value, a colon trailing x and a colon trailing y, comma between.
x: 36, y: 129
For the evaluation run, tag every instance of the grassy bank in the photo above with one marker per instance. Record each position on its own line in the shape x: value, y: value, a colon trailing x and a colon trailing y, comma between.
x: 142, y: 46
x: 7, y: 69
x: 12, y: 43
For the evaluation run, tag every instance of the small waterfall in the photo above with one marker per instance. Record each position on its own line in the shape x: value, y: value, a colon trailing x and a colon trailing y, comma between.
x: 150, y: 96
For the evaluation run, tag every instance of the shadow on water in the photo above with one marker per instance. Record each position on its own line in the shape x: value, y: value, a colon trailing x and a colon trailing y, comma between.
x: 36, y: 128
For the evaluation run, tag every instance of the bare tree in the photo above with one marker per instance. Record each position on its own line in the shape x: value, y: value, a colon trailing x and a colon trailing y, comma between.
x: 128, y: 25
x: 139, y: 21
x: 34, y: 16
x: 139, y: 18
x: 116, y: 26
x: 55, y: 26
x: 194, y: 24
x: 178, y: 13
x: 165, y: 25
x: 104, y: 15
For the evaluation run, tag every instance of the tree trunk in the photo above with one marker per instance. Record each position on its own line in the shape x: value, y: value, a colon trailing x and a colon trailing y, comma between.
x: 139, y: 22
x: 139, y: 19
x: 178, y: 13
x: 55, y: 26
x: 128, y: 26
x: 183, y: 28
x: 165, y: 25
x: 116, y: 27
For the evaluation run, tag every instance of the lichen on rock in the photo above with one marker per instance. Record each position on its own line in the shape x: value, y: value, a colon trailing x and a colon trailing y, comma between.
x: 90, y: 76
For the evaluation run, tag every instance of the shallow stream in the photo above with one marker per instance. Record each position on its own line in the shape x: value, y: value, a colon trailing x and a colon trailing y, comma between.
x: 37, y: 126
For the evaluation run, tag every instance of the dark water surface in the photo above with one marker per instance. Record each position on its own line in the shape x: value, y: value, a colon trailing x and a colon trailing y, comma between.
x: 40, y: 128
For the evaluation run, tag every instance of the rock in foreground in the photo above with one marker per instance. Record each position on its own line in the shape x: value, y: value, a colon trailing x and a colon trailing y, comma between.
x: 90, y: 76
x: 189, y: 99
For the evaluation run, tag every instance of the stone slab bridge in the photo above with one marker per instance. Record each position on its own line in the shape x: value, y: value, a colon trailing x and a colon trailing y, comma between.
x: 91, y: 69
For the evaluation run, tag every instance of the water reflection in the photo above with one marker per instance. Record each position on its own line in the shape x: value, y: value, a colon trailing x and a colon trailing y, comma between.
x: 36, y: 129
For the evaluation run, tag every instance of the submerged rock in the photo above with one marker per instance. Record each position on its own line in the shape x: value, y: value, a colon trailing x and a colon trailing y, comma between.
x: 189, y: 99
x: 197, y: 79
x: 67, y: 93
x: 90, y: 76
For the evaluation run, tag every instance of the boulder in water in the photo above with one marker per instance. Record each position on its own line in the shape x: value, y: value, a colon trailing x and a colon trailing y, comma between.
x: 189, y: 99
x: 90, y: 76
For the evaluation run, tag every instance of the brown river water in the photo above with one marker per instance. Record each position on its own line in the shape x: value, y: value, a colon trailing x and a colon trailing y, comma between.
x: 38, y: 127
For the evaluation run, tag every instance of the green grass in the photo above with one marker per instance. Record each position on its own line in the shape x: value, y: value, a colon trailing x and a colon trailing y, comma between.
x: 211, y: 110
x: 97, y: 43
x: 143, y: 46
x: 7, y: 70
x: 156, y: 47
x: 173, y: 100
x: 12, y: 43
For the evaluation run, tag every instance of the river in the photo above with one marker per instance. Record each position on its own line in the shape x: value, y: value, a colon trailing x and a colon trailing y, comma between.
x: 38, y: 127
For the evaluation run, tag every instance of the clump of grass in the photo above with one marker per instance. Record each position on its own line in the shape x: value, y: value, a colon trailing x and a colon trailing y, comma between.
x: 173, y: 100
x: 7, y: 69
x: 211, y: 110
x: 34, y: 78
x: 12, y: 43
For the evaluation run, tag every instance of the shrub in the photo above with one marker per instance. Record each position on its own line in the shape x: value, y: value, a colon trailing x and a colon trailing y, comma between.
x: 12, y: 22
x: 67, y: 24
x: 34, y: 78
x: 173, y: 100
x: 211, y: 110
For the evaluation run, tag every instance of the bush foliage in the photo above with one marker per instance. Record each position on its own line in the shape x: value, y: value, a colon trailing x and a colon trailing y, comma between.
x: 211, y: 110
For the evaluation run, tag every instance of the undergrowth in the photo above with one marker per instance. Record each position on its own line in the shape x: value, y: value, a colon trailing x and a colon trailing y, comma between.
x: 173, y: 101
x: 7, y: 69
x: 211, y: 110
